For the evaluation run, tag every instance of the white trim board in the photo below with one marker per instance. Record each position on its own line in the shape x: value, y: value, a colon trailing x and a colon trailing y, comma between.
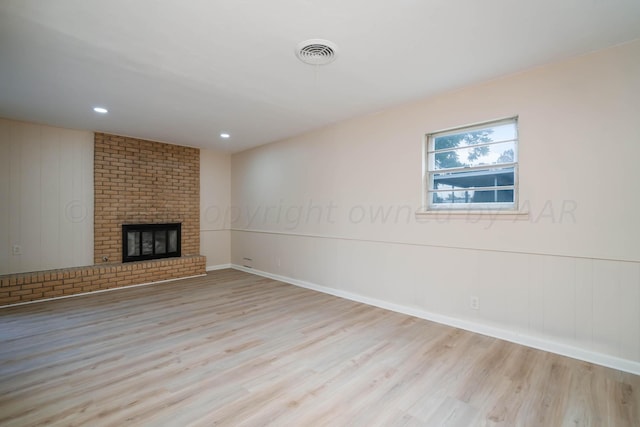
x: 218, y: 267
x: 503, y: 334
x: 427, y: 245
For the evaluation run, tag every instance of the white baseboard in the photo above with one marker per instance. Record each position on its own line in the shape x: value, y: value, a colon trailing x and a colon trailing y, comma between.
x: 218, y: 267
x: 518, y: 338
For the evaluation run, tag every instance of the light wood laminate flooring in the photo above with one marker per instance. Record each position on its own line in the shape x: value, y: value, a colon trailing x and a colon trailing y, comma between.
x: 235, y: 349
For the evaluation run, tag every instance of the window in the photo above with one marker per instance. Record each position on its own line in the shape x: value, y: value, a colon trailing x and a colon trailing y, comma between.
x: 473, y: 167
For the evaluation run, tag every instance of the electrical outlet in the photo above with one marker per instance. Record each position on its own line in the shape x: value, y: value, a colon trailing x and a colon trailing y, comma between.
x: 16, y: 250
x: 474, y: 303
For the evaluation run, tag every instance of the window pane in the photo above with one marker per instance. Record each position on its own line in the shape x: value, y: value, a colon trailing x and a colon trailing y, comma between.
x: 473, y: 166
x: 133, y: 243
x: 476, y: 178
x: 476, y: 156
x: 473, y: 196
x: 452, y: 197
x: 173, y: 241
x: 147, y: 242
x: 501, y: 132
x: 161, y: 242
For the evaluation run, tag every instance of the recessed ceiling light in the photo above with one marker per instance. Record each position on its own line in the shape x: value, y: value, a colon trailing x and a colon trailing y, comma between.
x: 225, y: 135
x: 100, y: 110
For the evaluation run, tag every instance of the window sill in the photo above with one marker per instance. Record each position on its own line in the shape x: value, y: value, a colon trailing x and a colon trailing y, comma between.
x: 473, y: 214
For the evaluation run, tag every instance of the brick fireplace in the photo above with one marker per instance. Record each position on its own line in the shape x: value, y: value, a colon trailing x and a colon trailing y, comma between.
x: 135, y: 182
x: 143, y: 182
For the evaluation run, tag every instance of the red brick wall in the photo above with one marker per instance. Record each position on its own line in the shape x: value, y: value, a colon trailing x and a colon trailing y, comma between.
x: 138, y: 181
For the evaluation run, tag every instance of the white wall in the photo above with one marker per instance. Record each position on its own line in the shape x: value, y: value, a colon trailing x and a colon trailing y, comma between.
x: 565, y: 278
x: 46, y: 197
x: 215, y: 197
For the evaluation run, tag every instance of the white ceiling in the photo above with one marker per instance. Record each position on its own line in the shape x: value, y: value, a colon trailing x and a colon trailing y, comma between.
x: 184, y: 71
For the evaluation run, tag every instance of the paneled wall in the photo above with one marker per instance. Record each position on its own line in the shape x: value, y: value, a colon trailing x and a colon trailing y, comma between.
x: 335, y: 209
x: 581, y: 307
x: 46, y: 197
x: 215, y: 201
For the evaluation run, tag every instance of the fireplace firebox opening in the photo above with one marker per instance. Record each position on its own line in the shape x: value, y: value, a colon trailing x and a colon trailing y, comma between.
x: 150, y: 241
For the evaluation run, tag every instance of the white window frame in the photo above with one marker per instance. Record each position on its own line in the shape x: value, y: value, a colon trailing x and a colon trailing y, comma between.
x: 428, y: 168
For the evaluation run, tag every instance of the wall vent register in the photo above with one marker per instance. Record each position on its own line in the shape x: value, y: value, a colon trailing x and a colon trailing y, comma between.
x: 150, y: 241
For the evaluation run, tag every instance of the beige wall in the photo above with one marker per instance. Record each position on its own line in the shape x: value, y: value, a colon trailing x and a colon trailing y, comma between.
x: 567, y: 277
x: 215, y: 196
x: 46, y: 197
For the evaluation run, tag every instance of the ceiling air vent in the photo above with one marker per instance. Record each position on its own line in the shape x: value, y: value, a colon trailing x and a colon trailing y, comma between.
x: 316, y: 52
